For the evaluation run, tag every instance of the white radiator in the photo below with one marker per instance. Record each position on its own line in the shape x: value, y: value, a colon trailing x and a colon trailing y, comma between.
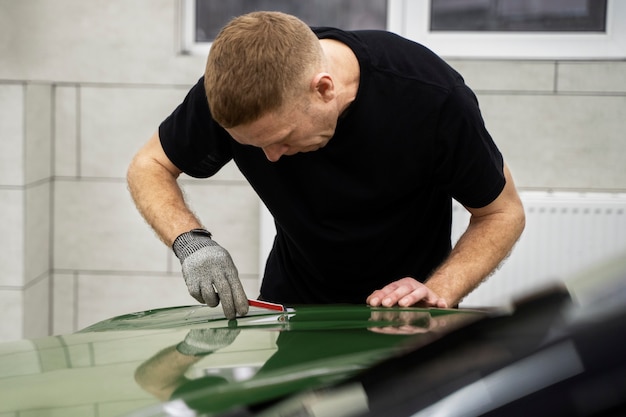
x: 565, y: 233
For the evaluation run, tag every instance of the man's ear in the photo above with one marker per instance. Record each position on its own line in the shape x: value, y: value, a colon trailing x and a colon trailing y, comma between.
x: 323, y: 85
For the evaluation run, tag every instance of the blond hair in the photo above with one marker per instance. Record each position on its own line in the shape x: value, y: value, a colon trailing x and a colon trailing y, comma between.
x: 257, y: 63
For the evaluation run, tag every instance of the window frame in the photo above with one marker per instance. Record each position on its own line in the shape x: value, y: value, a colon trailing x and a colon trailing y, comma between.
x: 487, y: 45
x: 514, y: 45
x: 187, y: 18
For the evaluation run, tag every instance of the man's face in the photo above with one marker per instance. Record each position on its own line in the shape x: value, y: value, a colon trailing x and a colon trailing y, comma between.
x: 293, y: 130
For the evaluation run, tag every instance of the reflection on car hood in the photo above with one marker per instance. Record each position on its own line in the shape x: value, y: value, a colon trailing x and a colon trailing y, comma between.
x: 142, y: 360
x: 560, y: 352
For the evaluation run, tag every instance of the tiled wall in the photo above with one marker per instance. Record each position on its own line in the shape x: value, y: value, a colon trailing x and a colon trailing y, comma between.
x: 25, y: 184
x: 560, y: 124
x: 74, y: 109
x: 74, y: 248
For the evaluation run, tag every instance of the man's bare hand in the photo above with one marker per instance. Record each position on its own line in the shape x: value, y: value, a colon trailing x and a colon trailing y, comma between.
x: 406, y: 292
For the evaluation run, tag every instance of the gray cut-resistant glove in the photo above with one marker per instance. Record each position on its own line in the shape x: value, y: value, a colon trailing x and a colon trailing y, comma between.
x: 210, y: 273
x: 200, y: 342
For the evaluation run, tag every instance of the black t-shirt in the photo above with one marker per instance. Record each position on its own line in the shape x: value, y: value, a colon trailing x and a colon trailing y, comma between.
x: 373, y: 205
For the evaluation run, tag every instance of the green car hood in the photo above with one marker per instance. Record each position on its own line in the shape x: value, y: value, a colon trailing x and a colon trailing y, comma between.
x: 142, y: 363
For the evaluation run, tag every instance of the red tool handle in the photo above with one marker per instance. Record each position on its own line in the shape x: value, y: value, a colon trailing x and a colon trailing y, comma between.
x: 265, y: 304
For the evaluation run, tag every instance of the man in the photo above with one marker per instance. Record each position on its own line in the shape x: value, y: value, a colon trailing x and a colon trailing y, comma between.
x: 356, y: 142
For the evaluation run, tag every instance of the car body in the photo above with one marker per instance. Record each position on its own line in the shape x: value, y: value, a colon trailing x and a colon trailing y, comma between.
x: 115, y: 367
x: 556, y: 352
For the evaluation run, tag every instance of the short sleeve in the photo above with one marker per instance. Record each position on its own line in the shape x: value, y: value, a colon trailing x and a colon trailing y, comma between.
x: 468, y: 163
x: 192, y: 140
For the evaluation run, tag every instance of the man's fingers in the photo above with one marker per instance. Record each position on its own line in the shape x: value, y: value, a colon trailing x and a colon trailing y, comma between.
x: 424, y: 297
x: 397, y: 295
x: 231, y: 295
x: 225, y: 296
x: 376, y: 298
x: 240, y: 299
x: 405, y: 292
x: 209, y: 296
x: 389, y: 295
x: 415, y: 296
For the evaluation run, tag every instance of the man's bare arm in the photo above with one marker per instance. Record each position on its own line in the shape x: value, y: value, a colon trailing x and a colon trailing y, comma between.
x: 488, y: 240
x: 152, y: 183
x: 208, y: 269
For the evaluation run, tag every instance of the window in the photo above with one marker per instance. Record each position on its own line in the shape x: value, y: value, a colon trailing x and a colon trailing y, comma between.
x: 509, y: 29
x: 503, y: 29
x: 518, y: 16
x: 204, y: 18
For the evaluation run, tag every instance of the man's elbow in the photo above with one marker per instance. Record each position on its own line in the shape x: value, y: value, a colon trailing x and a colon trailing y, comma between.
x: 518, y: 219
x: 136, y: 167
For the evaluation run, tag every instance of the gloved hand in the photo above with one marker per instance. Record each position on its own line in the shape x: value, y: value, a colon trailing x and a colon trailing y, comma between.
x: 200, y: 342
x: 210, y: 273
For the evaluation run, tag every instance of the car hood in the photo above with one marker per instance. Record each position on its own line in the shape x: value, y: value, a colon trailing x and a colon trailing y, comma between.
x: 192, y: 357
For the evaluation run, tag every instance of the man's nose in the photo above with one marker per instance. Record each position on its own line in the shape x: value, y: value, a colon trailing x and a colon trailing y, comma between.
x: 274, y: 152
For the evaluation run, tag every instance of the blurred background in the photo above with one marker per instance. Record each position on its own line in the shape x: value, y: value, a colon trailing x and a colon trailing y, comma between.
x: 84, y: 83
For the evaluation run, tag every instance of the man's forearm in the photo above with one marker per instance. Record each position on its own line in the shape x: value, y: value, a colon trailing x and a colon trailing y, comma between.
x: 488, y: 240
x: 481, y: 249
x: 154, y: 188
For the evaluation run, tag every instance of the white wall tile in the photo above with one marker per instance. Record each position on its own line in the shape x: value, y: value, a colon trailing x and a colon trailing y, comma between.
x: 12, y: 318
x: 231, y: 213
x: 101, y: 297
x: 560, y: 141
x: 116, y: 122
x: 12, y: 261
x: 12, y: 134
x: 595, y: 77
x: 38, y: 133
x: 486, y: 75
x: 97, y: 227
x: 116, y: 42
x: 251, y: 284
x: 37, y: 231
x: 66, y: 131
